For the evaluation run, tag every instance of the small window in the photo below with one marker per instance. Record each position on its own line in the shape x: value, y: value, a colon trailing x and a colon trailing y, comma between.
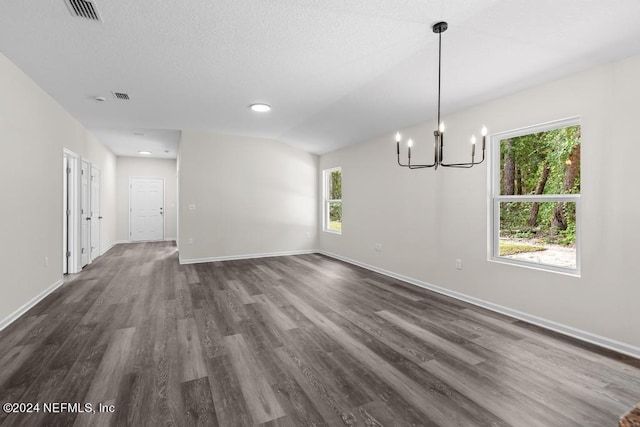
x: 333, y: 200
x: 536, y: 196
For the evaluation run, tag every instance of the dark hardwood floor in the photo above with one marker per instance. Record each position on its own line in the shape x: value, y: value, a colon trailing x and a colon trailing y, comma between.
x: 297, y: 340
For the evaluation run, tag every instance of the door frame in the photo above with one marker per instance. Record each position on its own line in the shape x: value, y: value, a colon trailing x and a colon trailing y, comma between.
x: 164, y: 210
x: 88, y: 213
x: 97, y: 217
x: 73, y: 228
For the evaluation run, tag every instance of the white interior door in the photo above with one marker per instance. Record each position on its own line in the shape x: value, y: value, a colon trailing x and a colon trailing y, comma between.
x: 146, y: 215
x: 95, y: 213
x: 85, y: 217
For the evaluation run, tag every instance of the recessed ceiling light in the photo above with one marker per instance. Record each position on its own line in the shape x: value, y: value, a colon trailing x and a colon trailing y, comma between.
x: 100, y: 98
x: 261, y: 108
x: 144, y: 152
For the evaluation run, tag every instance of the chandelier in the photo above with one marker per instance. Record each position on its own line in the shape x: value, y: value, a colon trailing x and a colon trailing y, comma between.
x: 440, y: 28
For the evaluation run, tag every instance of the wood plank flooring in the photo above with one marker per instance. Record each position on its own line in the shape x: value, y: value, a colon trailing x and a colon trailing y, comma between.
x: 292, y: 341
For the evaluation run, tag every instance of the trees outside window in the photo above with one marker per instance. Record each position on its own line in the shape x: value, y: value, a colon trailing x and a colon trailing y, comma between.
x: 536, y: 195
x: 333, y: 200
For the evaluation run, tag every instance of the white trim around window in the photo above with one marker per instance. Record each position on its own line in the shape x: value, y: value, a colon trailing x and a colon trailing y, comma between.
x: 495, y: 199
x: 327, y: 201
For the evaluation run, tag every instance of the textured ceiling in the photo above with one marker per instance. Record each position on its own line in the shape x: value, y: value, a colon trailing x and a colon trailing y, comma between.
x: 335, y: 72
x: 160, y: 143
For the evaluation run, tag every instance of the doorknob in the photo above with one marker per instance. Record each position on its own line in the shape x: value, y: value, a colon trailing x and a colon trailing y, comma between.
x: 99, y: 217
x: 88, y: 218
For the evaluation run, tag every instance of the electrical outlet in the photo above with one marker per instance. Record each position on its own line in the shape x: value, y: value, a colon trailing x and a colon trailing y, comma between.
x: 190, y: 241
x: 308, y: 235
x: 377, y: 247
x: 458, y: 264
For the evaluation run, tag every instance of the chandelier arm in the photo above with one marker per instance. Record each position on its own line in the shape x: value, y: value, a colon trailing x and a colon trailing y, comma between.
x: 404, y: 165
x: 410, y: 166
x: 415, y: 166
x: 472, y: 163
x: 459, y: 165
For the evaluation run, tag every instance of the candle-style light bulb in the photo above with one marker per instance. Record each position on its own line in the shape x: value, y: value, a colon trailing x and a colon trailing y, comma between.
x: 473, y: 139
x: 398, y: 137
x: 473, y: 145
x: 410, y: 144
x: 441, y: 127
x: 484, y: 131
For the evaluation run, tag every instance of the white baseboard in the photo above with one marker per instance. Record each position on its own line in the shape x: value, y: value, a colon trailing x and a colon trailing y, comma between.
x: 105, y: 250
x: 598, y: 340
x: 247, y: 256
x: 19, y: 312
x: 169, y: 239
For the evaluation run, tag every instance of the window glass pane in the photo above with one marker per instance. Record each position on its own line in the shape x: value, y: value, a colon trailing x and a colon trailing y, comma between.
x: 541, y: 163
x: 335, y: 216
x: 539, y: 232
x: 335, y: 185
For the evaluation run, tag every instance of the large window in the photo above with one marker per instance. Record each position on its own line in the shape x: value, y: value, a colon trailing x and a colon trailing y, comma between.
x: 536, y: 196
x: 332, y: 200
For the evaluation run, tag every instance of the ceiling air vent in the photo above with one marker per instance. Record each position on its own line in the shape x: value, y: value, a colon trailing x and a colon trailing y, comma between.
x: 121, y: 95
x: 83, y: 9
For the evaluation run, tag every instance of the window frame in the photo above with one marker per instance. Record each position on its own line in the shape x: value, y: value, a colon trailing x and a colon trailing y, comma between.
x: 326, y: 201
x: 495, y: 198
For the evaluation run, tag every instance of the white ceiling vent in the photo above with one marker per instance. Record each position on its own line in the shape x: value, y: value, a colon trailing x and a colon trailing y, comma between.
x: 83, y: 9
x: 121, y: 95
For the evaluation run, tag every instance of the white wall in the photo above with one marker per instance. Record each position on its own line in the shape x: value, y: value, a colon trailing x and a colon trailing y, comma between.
x: 137, y: 167
x: 252, y: 196
x: 33, y: 131
x: 426, y: 219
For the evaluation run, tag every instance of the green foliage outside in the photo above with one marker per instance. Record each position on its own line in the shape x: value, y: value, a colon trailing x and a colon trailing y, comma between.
x: 335, y: 208
x: 541, y: 163
x: 335, y: 185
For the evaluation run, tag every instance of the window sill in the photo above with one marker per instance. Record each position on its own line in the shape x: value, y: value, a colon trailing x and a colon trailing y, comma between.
x: 540, y: 267
x: 332, y: 231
